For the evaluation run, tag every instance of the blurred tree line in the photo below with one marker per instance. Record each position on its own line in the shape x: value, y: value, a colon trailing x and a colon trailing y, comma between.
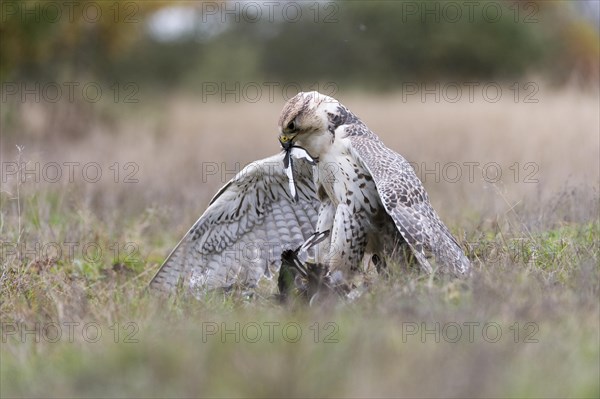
x: 368, y: 44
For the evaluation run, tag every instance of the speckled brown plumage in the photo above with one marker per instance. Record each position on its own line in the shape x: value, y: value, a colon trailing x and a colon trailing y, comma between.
x: 365, y: 194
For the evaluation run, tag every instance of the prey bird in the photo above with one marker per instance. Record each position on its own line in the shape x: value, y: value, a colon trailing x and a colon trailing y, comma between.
x: 335, y: 176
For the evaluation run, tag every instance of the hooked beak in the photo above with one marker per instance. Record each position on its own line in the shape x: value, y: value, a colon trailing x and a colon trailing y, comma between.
x: 286, y: 141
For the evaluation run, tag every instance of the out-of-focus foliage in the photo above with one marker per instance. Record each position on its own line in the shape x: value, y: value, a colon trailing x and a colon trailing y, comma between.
x: 360, y: 43
x: 46, y: 39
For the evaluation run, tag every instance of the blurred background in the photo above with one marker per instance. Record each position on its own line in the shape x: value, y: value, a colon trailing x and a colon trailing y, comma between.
x: 119, y: 120
x: 372, y: 45
x: 130, y: 81
x: 494, y: 102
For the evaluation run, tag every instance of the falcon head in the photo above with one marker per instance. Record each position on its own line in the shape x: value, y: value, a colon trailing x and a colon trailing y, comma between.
x: 306, y: 121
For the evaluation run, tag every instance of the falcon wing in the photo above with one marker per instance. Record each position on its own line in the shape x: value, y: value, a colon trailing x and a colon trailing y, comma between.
x: 406, y: 201
x: 244, y: 230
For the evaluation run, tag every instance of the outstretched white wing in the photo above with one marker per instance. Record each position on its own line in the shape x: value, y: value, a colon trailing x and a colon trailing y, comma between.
x: 241, y: 235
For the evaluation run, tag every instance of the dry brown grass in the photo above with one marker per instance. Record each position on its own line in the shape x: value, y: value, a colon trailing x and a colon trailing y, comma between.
x: 551, y: 282
x: 170, y: 140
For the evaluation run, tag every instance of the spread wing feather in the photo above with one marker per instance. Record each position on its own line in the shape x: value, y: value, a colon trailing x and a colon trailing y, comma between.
x: 244, y: 230
x: 406, y: 201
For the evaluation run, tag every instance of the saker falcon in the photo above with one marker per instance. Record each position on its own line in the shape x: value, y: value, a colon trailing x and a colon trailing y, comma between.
x: 336, y: 176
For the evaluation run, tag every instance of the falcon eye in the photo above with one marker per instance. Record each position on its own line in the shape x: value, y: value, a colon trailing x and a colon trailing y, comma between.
x: 291, y: 126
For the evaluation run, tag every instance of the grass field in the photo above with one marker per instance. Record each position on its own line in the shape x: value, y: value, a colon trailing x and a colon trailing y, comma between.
x: 517, y: 183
